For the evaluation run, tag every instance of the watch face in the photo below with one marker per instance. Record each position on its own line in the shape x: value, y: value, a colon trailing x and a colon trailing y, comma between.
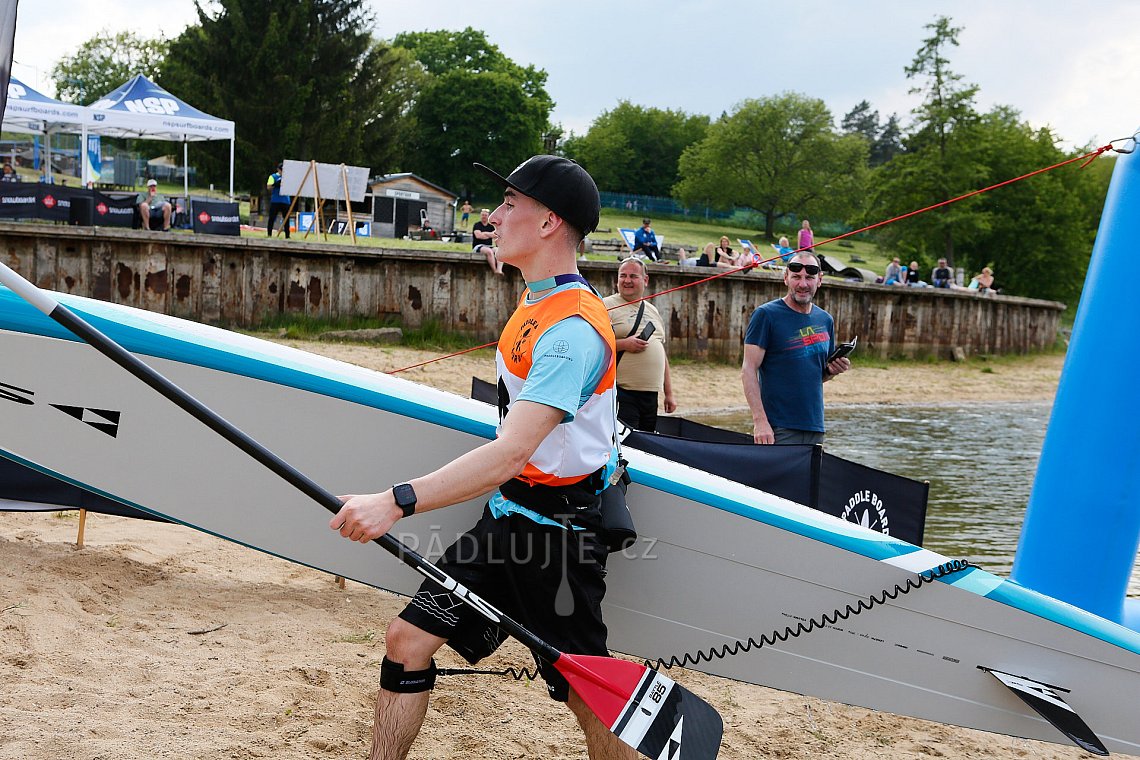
x: 405, y: 497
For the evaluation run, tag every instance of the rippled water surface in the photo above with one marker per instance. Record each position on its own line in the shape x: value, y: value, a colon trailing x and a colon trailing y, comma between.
x: 980, y: 460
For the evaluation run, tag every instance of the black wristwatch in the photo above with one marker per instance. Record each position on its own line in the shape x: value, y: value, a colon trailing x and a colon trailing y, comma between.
x: 405, y: 497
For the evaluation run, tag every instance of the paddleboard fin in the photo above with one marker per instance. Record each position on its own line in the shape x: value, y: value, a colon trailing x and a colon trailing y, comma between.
x: 1047, y: 702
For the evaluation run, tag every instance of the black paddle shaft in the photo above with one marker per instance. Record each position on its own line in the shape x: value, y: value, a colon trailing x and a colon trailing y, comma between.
x: 290, y: 474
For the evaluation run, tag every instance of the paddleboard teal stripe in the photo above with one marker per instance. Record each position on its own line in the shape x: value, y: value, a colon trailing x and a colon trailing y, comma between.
x: 140, y: 333
x: 1047, y: 607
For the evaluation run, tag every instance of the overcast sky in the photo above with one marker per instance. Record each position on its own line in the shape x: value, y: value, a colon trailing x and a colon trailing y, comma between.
x: 1074, y: 68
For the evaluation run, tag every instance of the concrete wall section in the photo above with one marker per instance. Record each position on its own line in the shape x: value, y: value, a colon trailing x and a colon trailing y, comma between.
x: 241, y: 281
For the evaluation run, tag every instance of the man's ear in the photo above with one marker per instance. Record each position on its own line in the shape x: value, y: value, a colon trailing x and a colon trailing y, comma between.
x: 551, y: 224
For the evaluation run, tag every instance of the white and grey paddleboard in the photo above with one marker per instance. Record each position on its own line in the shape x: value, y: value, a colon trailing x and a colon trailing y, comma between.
x: 716, y: 562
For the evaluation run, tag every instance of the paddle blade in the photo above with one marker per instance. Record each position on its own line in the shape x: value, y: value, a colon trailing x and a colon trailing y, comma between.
x: 645, y: 708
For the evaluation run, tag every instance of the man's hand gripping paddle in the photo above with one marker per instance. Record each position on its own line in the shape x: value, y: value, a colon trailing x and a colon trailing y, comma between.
x: 642, y: 706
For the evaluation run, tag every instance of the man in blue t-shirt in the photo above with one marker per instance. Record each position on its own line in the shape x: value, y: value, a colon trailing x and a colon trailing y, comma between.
x: 785, y: 359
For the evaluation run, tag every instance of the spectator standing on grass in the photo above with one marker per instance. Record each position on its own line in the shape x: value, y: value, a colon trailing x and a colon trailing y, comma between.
x: 645, y: 241
x: 807, y: 237
x: 642, y: 364
x: 466, y: 209
x: 278, y: 203
x: 483, y: 240
x: 785, y: 359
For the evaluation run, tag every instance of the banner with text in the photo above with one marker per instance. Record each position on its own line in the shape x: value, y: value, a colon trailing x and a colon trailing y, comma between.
x: 215, y: 217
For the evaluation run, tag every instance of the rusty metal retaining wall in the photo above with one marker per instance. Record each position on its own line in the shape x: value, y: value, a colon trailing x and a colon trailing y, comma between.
x: 240, y: 281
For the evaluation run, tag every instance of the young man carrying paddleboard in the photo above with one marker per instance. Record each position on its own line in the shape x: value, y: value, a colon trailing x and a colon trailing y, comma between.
x: 534, y: 553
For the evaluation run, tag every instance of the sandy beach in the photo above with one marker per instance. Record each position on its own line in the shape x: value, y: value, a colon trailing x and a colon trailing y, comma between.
x: 156, y: 641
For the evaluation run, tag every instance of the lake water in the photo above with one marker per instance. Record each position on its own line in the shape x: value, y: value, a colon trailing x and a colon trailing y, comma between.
x: 980, y: 460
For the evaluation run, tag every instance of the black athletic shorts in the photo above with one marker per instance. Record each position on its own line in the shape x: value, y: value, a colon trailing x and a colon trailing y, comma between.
x: 518, y: 566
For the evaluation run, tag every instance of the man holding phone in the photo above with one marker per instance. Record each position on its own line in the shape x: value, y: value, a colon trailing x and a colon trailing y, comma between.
x: 787, y: 349
x: 643, y: 366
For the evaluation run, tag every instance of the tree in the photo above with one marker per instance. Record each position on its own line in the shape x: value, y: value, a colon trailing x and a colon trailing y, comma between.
x: 779, y: 156
x: 941, y: 160
x: 883, y: 140
x: 634, y: 149
x: 300, y: 80
x: 500, y: 128
x: 476, y: 105
x: 104, y: 62
x: 1040, y: 230
x: 888, y: 143
x: 861, y: 120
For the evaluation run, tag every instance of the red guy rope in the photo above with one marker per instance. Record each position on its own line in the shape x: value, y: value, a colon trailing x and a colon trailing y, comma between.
x: 1087, y: 158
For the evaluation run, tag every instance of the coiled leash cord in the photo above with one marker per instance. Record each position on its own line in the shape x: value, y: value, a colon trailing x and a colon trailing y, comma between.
x: 740, y: 647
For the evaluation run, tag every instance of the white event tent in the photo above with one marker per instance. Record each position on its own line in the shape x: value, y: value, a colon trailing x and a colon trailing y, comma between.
x: 142, y: 109
x: 30, y: 111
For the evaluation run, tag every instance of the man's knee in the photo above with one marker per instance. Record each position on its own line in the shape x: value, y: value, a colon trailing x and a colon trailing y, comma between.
x: 410, y: 646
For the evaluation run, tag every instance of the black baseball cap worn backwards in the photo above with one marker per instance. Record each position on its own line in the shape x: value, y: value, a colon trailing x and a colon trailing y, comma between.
x: 558, y: 183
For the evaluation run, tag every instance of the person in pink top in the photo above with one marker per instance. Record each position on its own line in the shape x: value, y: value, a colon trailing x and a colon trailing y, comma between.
x: 807, y: 239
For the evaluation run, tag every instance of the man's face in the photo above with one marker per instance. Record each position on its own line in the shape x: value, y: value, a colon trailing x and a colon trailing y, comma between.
x: 483, y: 216
x: 645, y: 224
x: 631, y: 282
x: 518, y: 221
x: 801, y: 285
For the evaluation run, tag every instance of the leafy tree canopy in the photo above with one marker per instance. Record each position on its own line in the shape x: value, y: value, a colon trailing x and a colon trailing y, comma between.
x: 779, y: 156
x: 942, y: 157
x: 300, y: 80
x: 634, y: 149
x: 500, y: 128
x: 476, y: 105
x: 884, y: 139
x: 104, y: 62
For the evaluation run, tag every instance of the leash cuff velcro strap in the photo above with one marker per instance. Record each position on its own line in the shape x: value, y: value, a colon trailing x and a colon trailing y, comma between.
x: 394, y: 678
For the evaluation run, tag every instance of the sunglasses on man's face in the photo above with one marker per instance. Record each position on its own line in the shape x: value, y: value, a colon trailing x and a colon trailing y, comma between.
x: 799, y: 266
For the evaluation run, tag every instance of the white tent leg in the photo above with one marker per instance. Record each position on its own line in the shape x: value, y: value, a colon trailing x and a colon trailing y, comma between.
x: 186, y: 175
x: 232, y: 169
x: 84, y: 169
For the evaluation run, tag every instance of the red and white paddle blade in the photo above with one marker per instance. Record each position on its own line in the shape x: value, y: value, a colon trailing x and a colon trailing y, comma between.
x: 645, y: 708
